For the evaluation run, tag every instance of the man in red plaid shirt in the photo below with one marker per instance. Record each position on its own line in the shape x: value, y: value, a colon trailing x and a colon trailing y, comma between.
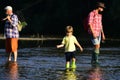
x: 96, y: 30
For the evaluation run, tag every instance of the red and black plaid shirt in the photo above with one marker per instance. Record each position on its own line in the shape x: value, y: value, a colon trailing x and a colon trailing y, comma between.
x: 95, y: 20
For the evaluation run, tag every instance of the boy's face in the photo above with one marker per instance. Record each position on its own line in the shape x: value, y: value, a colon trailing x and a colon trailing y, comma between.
x: 69, y: 33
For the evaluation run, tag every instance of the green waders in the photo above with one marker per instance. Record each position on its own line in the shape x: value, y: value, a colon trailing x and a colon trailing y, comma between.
x: 95, y: 55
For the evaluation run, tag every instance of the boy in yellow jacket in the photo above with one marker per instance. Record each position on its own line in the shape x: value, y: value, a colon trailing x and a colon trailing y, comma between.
x: 69, y: 42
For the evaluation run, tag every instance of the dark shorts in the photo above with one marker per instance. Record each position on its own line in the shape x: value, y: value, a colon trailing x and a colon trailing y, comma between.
x: 95, y: 41
x: 69, y: 55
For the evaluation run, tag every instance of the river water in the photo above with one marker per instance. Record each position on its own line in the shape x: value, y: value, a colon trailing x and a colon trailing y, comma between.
x: 44, y: 62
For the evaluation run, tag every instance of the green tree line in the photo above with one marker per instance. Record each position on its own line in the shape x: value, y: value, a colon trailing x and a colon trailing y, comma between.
x: 49, y: 17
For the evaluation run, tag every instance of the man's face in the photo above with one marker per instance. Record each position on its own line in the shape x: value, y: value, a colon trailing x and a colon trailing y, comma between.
x: 8, y: 12
x: 100, y: 10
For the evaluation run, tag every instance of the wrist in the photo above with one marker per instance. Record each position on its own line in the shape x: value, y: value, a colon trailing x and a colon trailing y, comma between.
x: 9, y: 20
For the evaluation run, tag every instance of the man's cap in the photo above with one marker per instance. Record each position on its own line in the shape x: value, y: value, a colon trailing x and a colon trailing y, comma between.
x: 100, y: 4
x: 8, y: 8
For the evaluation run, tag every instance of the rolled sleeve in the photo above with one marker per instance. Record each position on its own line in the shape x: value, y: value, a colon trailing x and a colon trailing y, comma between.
x: 75, y: 40
x: 63, y: 41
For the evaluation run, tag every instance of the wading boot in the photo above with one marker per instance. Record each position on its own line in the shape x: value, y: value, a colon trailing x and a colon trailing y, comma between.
x: 95, y: 57
x: 73, y: 65
x: 67, y: 65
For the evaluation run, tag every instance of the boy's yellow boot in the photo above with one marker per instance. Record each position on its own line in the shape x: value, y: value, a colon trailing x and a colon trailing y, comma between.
x: 67, y: 65
x: 73, y: 65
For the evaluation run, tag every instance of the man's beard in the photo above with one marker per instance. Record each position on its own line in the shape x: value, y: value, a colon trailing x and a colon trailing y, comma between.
x: 100, y: 12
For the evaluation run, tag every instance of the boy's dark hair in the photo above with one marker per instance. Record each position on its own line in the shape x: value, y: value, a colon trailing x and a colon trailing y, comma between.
x: 69, y: 29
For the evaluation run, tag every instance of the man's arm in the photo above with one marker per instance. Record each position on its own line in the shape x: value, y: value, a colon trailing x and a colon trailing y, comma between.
x: 90, y: 22
x: 92, y: 31
x: 103, y: 35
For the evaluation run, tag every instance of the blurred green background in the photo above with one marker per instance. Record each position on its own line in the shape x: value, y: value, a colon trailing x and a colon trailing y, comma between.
x: 50, y: 17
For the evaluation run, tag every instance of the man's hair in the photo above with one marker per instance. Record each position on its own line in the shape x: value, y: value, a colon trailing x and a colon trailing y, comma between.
x: 100, y: 4
x: 69, y: 29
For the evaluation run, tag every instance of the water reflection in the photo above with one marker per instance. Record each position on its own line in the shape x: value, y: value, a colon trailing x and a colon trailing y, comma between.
x: 69, y: 75
x: 95, y: 73
x: 46, y: 63
x: 12, y: 70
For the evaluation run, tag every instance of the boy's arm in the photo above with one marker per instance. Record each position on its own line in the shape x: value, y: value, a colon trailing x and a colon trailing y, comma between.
x: 77, y: 43
x: 61, y: 45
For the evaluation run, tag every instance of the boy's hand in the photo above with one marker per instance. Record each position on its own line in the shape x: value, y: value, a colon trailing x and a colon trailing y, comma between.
x: 81, y: 49
x: 57, y: 46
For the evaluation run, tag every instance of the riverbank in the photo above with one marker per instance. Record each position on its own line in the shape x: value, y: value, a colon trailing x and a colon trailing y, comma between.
x: 34, y: 39
x: 53, y: 38
x: 29, y: 42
